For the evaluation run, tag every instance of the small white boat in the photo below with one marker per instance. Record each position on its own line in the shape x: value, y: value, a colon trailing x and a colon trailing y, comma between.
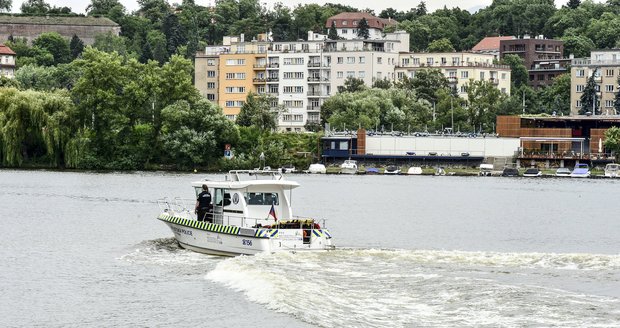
x: 440, y: 171
x: 581, y: 170
x: 612, y: 170
x: 562, y: 172
x: 249, y: 216
x: 392, y: 169
x: 485, y: 170
x: 348, y: 167
x: 317, y: 169
x: 414, y: 170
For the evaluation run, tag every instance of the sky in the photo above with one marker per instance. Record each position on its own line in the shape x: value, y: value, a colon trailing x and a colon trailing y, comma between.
x: 79, y: 6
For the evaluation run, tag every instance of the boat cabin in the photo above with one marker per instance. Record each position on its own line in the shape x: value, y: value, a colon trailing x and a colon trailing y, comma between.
x: 250, y: 198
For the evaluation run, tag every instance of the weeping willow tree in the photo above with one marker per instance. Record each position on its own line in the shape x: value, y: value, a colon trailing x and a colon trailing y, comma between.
x: 35, y: 124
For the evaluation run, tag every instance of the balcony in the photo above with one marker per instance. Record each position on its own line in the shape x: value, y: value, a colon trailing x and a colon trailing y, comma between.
x: 494, y: 81
x: 452, y: 79
x: 317, y: 93
x: 272, y: 79
x: 313, y: 108
x: 313, y: 120
x: 273, y: 65
x: 259, y: 80
x: 317, y: 79
x: 259, y: 66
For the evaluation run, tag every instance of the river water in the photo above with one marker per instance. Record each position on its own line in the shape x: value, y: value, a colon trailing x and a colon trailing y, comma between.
x: 85, y: 249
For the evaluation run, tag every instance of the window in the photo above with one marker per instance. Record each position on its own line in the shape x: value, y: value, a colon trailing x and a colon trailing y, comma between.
x: 379, y: 60
x: 580, y: 87
x: 430, y: 61
x: 344, y: 31
x: 294, y: 103
x: 578, y: 103
x: 339, y: 75
x: 416, y: 61
x: 340, y: 60
x: 210, y: 96
x: 259, y: 198
x: 609, y: 72
x: 609, y: 88
x: 400, y: 75
x: 293, y: 75
x: 464, y: 74
x: 580, y: 73
x: 463, y: 89
x: 345, y: 23
x: 210, y: 73
x: 354, y: 23
x: 503, y: 76
x: 362, y: 60
x: 235, y: 62
x: 235, y: 90
x: 350, y: 60
x: 456, y: 61
x: 609, y: 103
x: 379, y: 76
x: 210, y: 62
x: 350, y: 74
x: 292, y: 89
x: 482, y: 75
x: 293, y: 61
x: 235, y: 76
x: 210, y: 85
x: 504, y: 90
x: 361, y: 74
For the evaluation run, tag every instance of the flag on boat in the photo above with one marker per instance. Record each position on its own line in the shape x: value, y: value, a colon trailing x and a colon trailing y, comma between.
x: 272, y: 212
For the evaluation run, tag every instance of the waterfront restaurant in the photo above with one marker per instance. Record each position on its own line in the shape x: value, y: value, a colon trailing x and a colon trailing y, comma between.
x: 559, y: 140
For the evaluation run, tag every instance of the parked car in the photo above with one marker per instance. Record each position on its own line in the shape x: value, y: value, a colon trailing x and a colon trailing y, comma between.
x: 510, y: 172
x: 532, y: 172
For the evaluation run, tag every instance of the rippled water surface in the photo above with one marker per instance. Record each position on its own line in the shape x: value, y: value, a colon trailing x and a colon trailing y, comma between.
x: 84, y: 249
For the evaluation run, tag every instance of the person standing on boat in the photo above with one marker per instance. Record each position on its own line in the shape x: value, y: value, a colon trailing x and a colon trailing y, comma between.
x: 203, y: 205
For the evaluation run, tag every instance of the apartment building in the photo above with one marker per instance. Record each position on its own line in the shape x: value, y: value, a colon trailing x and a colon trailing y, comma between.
x: 542, y: 57
x: 300, y: 74
x: 347, y: 24
x: 459, y: 67
x: 7, y: 61
x: 605, y: 65
x: 490, y: 45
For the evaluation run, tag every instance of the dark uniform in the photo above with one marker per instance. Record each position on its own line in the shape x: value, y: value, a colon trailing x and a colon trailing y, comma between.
x: 204, y: 206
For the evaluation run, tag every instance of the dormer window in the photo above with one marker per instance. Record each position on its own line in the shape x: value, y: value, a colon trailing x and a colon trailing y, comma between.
x: 345, y: 23
x: 354, y: 23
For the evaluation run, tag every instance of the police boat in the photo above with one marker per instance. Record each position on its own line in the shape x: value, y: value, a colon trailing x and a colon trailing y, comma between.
x: 251, y: 213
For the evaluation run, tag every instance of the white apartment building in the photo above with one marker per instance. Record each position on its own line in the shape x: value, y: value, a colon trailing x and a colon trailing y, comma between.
x: 605, y: 65
x: 459, y: 67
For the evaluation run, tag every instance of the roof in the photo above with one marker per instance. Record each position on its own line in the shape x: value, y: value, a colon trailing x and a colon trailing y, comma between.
x: 490, y: 43
x: 4, y: 50
x: 350, y: 17
x: 57, y: 20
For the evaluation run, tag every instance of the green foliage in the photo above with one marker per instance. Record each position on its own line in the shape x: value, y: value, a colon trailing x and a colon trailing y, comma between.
x: 5, y: 5
x: 35, y: 7
x: 484, y: 100
x: 352, y: 84
x: 257, y: 112
x: 109, y: 42
x: 332, y: 34
x: 362, y: 29
x: 440, y: 45
x: 577, y: 45
x: 589, y: 101
x: 612, y: 140
x: 426, y: 83
x: 556, y: 97
x: 519, y: 75
x: 54, y: 44
x: 76, y: 46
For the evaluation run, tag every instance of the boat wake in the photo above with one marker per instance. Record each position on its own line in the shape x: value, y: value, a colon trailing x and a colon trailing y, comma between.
x: 167, y: 252
x: 395, y: 288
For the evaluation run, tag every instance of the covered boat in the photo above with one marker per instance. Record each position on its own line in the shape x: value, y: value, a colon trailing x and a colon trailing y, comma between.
x: 251, y: 213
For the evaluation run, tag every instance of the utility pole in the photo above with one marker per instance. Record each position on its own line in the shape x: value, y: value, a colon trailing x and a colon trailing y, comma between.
x: 523, y: 102
x: 451, y: 114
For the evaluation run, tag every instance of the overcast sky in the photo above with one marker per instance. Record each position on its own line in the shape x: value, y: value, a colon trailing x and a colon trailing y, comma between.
x: 80, y: 5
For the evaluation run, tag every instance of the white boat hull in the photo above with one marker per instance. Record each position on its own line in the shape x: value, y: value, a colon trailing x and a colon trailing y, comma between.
x: 224, y: 240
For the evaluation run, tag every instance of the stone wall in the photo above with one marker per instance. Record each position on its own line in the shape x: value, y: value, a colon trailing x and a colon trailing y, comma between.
x: 86, y: 33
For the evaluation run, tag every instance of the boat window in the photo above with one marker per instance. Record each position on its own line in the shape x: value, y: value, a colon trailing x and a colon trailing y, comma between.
x: 261, y: 198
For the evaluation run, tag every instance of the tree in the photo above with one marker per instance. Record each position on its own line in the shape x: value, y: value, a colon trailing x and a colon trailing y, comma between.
x: 333, y: 33
x: 352, y: 84
x: 440, y: 45
x: 426, y: 83
x: 556, y: 97
x: 110, y: 42
x: 76, y: 46
x: 256, y: 111
x: 109, y: 8
x: 484, y: 99
x: 588, y: 98
x: 174, y: 33
x: 617, y: 98
x: 56, y: 45
x: 612, y: 140
x: 519, y: 75
x: 573, y: 4
x: 382, y: 84
x: 35, y: 7
x: 579, y: 46
x: 6, y: 5
x: 362, y: 29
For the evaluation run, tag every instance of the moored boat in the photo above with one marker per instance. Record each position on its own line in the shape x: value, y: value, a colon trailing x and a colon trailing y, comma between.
x: 348, y: 167
x: 249, y: 216
x: 581, y: 170
x: 612, y: 170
